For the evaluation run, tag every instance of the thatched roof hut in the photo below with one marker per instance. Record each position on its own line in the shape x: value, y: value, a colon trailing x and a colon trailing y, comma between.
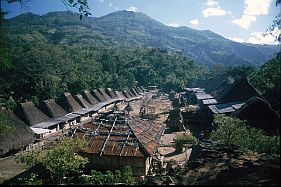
x: 142, y: 88
x: 98, y: 95
x: 213, y: 84
x: 126, y: 94
x: 52, y: 109
x: 259, y: 114
x: 83, y: 102
x: 138, y: 89
x: 131, y: 94
x: 102, y: 91
x: 239, y: 91
x: 120, y: 95
x: 89, y: 97
x: 68, y: 103
x: 30, y: 114
x: 16, y: 134
x: 134, y: 92
x: 111, y: 93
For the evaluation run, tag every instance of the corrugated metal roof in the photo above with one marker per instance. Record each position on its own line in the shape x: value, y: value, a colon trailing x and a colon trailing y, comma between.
x: 67, y: 117
x: 47, y: 124
x: 136, y: 138
x: 202, y: 96
x: 225, y: 108
x: 209, y: 101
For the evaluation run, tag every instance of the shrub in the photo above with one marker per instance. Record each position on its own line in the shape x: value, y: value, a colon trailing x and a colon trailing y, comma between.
x: 185, y: 138
x: 232, y: 130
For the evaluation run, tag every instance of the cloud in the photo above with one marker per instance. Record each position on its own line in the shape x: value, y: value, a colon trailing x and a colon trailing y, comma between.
x: 110, y: 4
x: 252, y: 9
x: 264, y: 38
x: 194, y: 22
x: 236, y: 39
x: 133, y: 9
x: 173, y: 24
x: 217, y: 11
x: 101, y: 0
x: 245, y: 21
x: 211, y: 3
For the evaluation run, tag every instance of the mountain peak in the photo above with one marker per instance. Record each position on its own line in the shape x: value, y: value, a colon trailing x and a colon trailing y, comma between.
x: 126, y: 14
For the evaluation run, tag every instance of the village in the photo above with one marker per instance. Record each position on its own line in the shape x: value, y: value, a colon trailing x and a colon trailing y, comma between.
x: 136, y: 127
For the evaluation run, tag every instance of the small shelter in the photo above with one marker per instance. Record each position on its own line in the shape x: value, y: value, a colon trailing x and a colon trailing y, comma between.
x: 103, y: 93
x: 68, y: 103
x: 30, y: 114
x: 239, y: 91
x: 16, y: 133
x: 56, y: 112
x: 98, y: 95
x: 89, y: 97
x: 259, y: 114
x: 111, y: 93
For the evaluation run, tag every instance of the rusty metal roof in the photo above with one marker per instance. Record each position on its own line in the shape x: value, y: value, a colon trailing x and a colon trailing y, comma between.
x: 133, y: 137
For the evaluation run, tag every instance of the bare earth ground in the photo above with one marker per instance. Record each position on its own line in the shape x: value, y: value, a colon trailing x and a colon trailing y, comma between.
x: 10, y: 168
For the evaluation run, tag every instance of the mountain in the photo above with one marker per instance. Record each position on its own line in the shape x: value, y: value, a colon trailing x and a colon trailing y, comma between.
x: 128, y: 29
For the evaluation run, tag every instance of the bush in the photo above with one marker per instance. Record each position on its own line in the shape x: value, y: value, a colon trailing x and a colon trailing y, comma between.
x: 33, y: 180
x: 185, y: 138
x: 232, y: 130
x: 97, y: 178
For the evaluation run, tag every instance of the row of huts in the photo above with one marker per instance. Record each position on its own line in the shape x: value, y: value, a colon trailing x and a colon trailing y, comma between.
x: 237, y: 98
x: 50, y: 116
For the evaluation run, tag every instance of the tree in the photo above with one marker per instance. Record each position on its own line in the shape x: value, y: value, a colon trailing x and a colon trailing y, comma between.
x: 275, y: 25
x: 184, y: 138
x: 231, y: 130
x: 61, y: 161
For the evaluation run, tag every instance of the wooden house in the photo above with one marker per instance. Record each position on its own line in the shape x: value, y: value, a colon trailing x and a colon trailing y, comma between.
x: 113, y: 143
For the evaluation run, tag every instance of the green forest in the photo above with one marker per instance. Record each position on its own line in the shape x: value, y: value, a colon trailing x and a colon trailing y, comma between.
x: 42, y: 57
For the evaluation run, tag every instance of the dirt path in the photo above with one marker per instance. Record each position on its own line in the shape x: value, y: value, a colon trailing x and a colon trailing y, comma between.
x: 10, y: 168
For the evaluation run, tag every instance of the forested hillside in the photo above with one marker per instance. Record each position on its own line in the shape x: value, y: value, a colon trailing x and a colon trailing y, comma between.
x: 126, y: 29
x: 42, y: 70
x: 58, y: 52
x: 268, y: 79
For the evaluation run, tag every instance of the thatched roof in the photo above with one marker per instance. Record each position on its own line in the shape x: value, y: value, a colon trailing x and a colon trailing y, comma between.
x: 142, y: 88
x: 126, y: 94
x: 83, y: 102
x: 120, y: 95
x: 68, y: 103
x: 111, y: 93
x: 98, y: 95
x: 102, y: 91
x: 30, y: 114
x: 214, y: 83
x: 131, y: 94
x: 138, y: 89
x: 52, y: 109
x: 239, y: 91
x: 89, y: 97
x: 259, y: 114
x: 17, y: 135
x: 134, y: 92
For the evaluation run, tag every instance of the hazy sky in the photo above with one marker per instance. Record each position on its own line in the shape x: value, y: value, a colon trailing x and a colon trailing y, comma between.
x: 239, y: 20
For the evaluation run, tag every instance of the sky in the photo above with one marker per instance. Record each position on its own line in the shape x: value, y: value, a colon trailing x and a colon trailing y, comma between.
x: 238, y: 20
